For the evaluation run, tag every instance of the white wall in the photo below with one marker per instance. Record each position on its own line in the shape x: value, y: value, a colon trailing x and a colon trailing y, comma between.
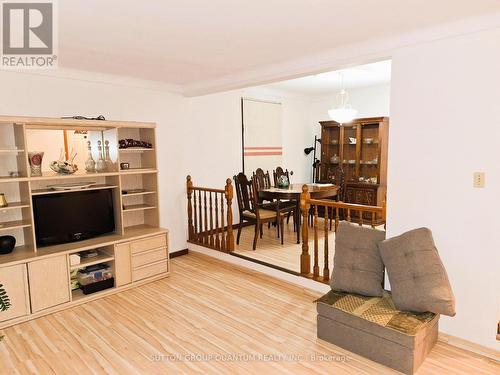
x: 56, y: 96
x: 445, y: 124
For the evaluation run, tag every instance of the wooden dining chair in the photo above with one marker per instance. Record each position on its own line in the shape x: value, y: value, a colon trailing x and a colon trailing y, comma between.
x: 264, y: 182
x: 252, y: 211
x: 263, y: 179
x: 278, y: 172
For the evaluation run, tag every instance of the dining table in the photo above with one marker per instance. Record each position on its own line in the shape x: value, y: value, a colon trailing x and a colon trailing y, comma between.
x: 292, y: 193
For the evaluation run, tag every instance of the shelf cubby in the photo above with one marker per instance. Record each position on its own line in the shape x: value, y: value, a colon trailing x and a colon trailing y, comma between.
x: 140, y: 208
x: 139, y: 158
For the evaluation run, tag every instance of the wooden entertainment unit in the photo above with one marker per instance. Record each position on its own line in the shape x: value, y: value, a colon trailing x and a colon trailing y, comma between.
x: 37, y: 279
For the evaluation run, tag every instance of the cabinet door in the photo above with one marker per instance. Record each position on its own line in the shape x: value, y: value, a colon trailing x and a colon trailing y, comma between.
x: 49, y: 282
x: 15, y: 282
x: 123, y: 269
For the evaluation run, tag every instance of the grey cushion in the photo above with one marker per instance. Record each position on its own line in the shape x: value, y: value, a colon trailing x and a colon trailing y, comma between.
x: 357, y: 266
x: 418, y: 278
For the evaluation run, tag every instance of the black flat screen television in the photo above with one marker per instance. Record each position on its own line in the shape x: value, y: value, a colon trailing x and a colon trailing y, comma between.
x: 73, y: 216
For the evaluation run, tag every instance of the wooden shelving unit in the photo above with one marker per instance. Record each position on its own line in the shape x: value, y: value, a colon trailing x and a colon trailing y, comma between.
x: 360, y: 150
x: 136, y: 216
x: 131, y: 210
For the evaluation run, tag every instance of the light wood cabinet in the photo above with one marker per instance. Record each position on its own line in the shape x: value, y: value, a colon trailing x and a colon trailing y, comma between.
x: 15, y: 281
x: 48, y: 282
x: 123, y: 268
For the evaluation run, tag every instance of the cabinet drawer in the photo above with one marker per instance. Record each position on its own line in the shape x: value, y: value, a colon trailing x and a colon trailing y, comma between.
x: 147, y: 257
x: 150, y: 270
x: 148, y: 244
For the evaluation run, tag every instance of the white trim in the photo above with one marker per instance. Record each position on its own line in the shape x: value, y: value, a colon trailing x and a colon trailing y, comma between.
x: 297, y: 280
x: 102, y: 78
x: 343, y: 57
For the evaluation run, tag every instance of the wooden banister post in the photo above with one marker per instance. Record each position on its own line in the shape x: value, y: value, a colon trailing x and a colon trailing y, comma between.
x: 229, y: 199
x: 305, y: 258
x: 189, y: 185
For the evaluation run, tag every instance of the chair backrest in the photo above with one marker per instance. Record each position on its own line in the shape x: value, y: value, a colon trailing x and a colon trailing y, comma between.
x: 262, y: 180
x: 245, y: 193
x: 278, y: 173
x: 339, y: 180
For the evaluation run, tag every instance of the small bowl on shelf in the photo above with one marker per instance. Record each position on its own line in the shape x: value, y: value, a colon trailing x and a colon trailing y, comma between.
x: 63, y: 167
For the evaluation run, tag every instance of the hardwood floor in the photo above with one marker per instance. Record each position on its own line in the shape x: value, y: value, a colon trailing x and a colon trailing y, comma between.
x: 206, y: 307
x: 271, y: 251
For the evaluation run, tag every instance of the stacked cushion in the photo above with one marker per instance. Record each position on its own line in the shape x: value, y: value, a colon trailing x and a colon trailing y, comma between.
x: 418, y: 278
x: 358, y: 267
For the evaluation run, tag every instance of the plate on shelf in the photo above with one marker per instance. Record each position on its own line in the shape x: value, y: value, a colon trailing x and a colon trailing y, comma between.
x: 72, y: 186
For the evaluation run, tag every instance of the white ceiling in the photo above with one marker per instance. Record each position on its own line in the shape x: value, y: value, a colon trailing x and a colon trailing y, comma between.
x: 185, y: 42
x: 378, y: 73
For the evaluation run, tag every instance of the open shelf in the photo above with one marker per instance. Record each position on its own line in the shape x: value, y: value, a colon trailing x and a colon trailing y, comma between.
x: 17, y: 224
x: 101, y: 258
x: 77, y: 294
x: 8, y: 151
x: 15, y: 205
x: 147, y: 192
x: 138, y: 170
x: 13, y: 179
x: 134, y: 150
x: 51, y: 191
x: 138, y: 207
x: 52, y: 175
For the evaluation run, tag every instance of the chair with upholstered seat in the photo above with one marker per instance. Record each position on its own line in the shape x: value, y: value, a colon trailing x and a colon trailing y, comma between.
x: 279, y: 172
x: 252, y: 211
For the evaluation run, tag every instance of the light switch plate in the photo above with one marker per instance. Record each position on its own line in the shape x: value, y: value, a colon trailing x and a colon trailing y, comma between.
x: 478, y: 180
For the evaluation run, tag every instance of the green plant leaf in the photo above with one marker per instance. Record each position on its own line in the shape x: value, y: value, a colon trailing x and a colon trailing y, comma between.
x: 4, y: 299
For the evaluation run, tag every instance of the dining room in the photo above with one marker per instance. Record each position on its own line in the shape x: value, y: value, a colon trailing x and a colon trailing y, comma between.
x: 290, y: 139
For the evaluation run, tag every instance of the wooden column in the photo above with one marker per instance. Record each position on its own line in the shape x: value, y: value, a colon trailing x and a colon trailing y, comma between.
x: 189, y: 185
x: 305, y: 258
x: 229, y: 199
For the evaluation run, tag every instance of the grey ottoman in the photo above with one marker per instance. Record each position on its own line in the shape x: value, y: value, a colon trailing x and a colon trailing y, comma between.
x: 373, y: 328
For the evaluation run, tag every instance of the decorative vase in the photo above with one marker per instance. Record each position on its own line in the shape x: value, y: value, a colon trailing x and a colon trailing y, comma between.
x: 283, y: 182
x: 107, y: 157
x: 7, y: 244
x: 3, y: 200
x: 35, y: 159
x: 100, y: 165
x: 89, y: 163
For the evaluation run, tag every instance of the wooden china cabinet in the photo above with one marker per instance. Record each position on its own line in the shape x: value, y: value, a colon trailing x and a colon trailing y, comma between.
x: 360, y: 150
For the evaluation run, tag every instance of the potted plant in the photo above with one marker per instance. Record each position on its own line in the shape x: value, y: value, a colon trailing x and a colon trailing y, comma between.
x: 4, y: 302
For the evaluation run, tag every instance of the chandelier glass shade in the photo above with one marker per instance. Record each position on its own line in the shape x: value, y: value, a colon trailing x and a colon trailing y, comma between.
x: 343, y: 113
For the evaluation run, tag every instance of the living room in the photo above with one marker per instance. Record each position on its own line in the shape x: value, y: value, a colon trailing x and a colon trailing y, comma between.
x: 443, y: 129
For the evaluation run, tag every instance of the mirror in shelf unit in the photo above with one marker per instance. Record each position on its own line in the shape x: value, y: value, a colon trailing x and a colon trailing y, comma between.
x: 140, y: 200
x: 136, y: 149
x: 62, y: 145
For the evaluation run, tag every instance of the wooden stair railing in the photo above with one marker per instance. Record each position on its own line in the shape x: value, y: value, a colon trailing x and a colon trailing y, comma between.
x: 210, y: 221
x: 333, y: 211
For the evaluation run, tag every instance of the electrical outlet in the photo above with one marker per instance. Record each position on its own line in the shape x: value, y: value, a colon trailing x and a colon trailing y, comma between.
x: 478, y: 180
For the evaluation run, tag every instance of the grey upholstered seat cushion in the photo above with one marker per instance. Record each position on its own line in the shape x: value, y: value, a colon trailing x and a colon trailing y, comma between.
x: 418, y: 278
x: 357, y: 266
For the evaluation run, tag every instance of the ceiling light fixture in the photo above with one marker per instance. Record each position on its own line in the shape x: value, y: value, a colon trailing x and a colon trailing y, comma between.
x: 343, y: 113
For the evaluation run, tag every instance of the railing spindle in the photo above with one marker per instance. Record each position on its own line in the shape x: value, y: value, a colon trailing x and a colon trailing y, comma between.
x: 189, y: 184
x: 305, y: 258
x: 229, y: 198
x: 200, y: 218
x: 373, y: 219
x: 326, y: 270
x: 217, y: 229
x: 316, y: 255
x: 211, y: 241
x: 223, y: 235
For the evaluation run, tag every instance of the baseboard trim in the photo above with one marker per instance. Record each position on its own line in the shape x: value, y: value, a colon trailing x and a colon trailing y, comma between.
x: 179, y: 253
x: 250, y: 259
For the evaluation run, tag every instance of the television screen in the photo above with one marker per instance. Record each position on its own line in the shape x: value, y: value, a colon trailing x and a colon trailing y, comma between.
x: 72, y: 216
